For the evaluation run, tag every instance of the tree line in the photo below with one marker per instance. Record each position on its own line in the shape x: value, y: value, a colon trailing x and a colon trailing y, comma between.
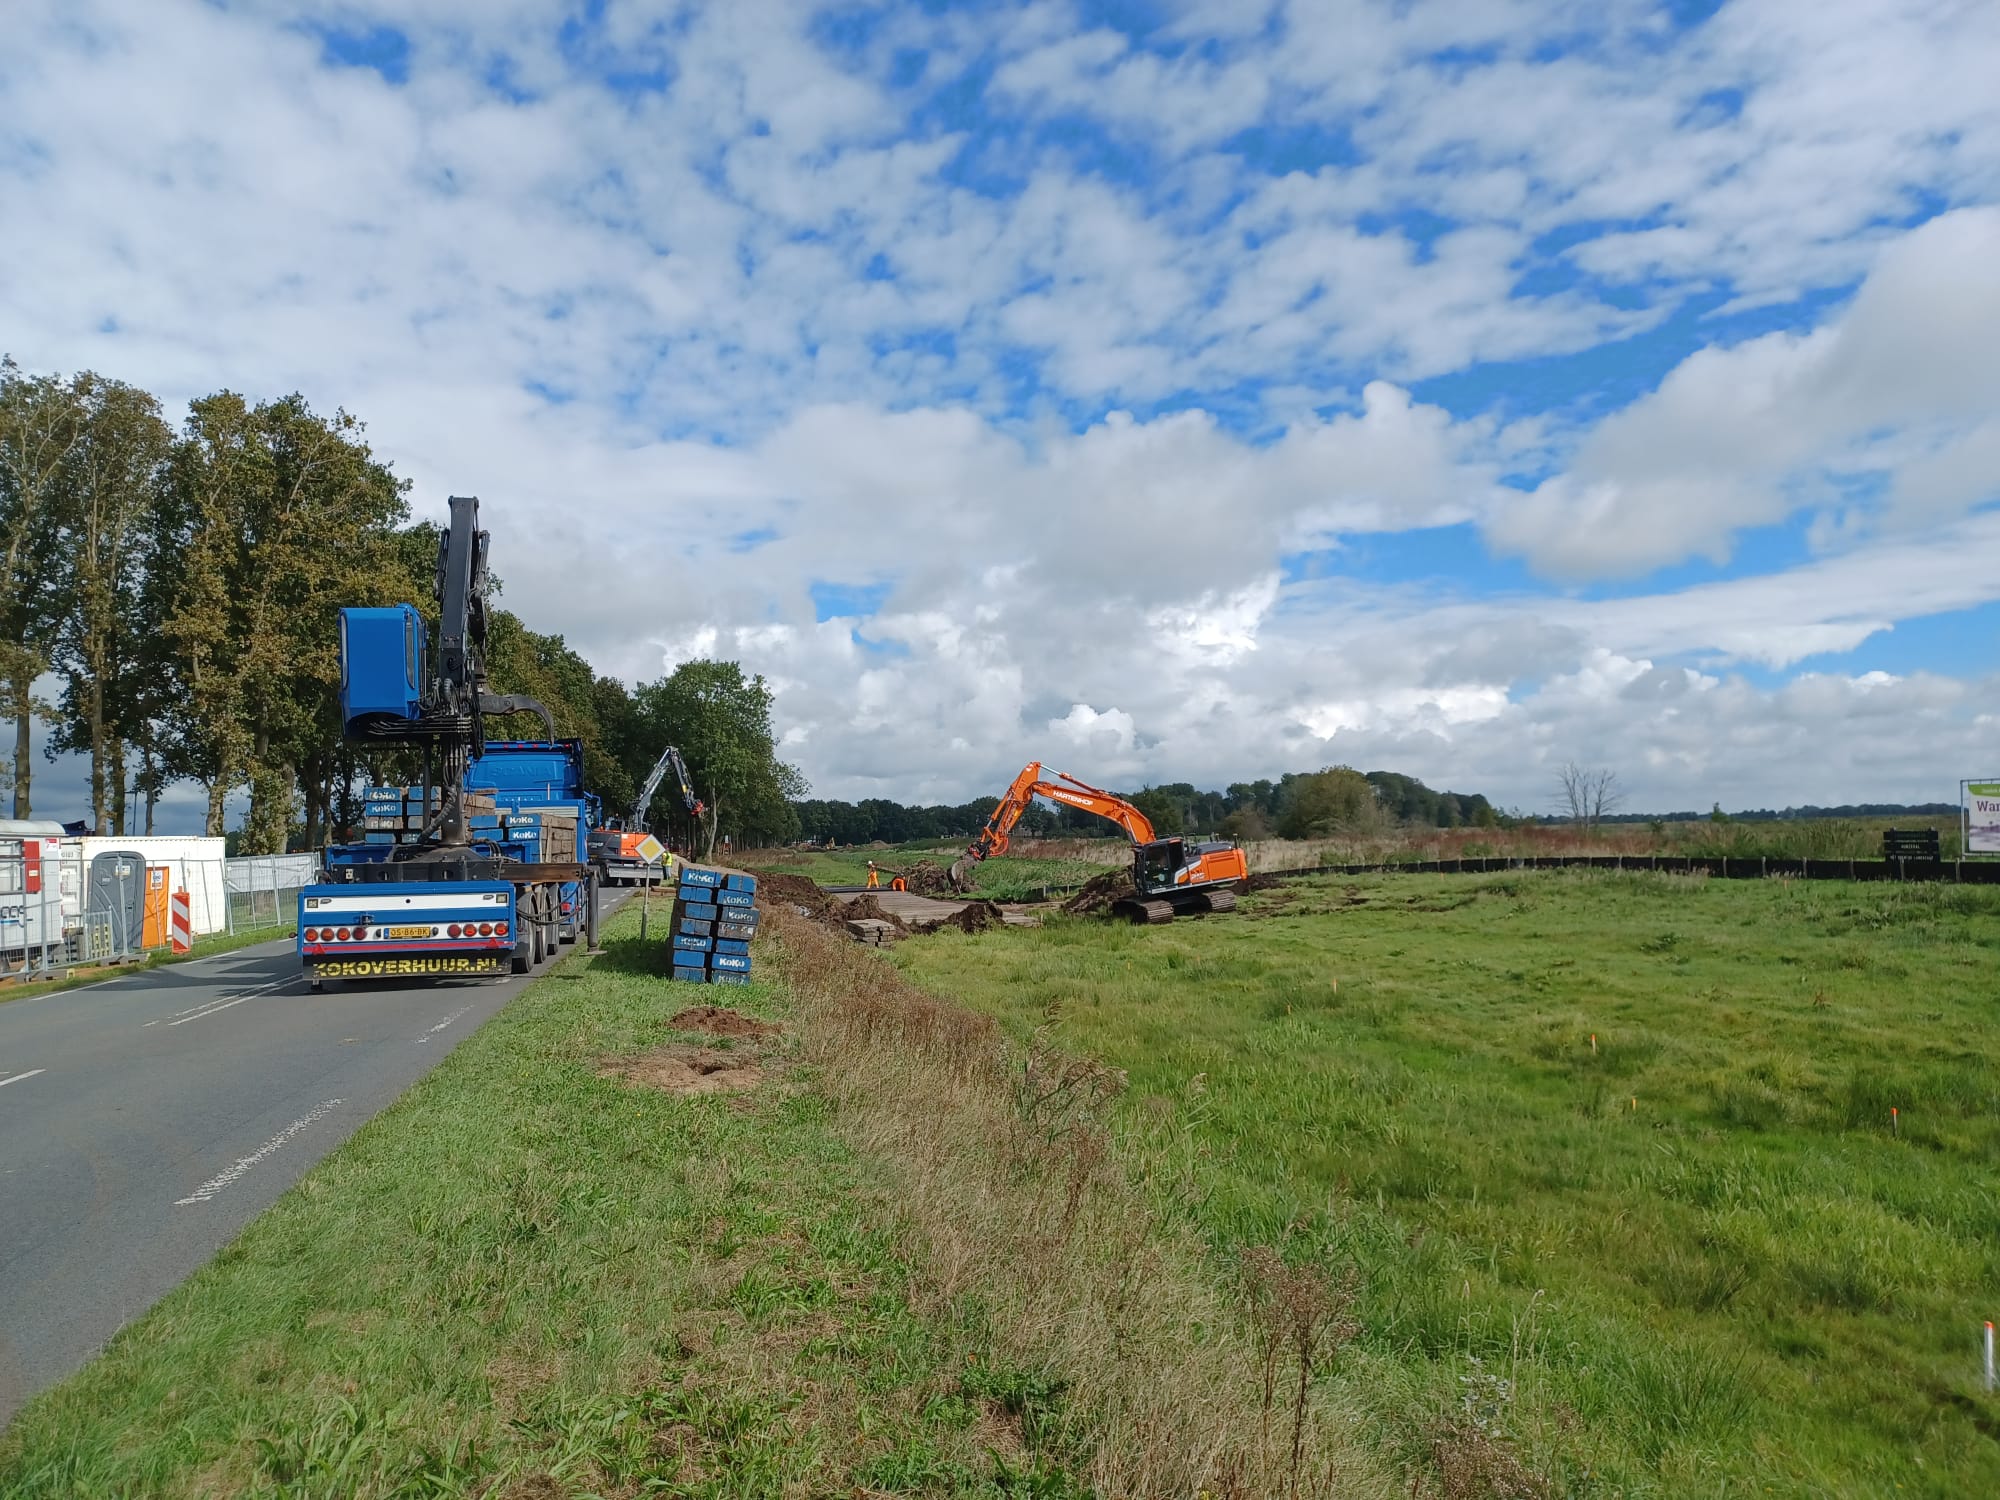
x: 182, y: 585
x: 1299, y: 805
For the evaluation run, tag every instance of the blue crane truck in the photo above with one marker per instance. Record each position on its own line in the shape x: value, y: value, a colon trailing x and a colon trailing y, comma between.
x: 482, y: 869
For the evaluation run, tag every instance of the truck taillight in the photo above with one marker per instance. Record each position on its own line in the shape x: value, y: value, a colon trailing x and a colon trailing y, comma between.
x: 312, y: 934
x: 344, y: 934
x: 452, y: 931
x: 499, y: 929
x: 486, y: 929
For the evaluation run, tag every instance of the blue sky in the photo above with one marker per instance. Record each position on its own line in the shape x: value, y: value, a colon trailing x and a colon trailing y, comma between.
x: 1170, y: 391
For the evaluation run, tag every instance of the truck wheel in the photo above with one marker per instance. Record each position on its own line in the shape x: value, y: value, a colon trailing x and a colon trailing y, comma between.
x: 523, y: 958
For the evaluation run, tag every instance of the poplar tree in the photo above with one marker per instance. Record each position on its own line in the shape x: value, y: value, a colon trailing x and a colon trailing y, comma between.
x: 112, y: 481
x: 40, y: 423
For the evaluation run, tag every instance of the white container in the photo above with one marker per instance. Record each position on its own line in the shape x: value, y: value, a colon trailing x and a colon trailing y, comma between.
x: 194, y: 865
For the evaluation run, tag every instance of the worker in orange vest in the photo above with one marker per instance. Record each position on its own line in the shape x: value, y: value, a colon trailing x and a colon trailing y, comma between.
x: 874, y: 877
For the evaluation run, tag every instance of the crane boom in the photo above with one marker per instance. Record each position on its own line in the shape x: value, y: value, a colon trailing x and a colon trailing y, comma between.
x: 670, y: 759
x: 388, y: 696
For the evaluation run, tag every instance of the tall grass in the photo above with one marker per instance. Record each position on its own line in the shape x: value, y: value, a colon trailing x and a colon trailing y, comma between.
x: 1003, y: 1171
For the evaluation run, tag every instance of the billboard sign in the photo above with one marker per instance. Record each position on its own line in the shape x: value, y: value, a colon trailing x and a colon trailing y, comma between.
x: 1981, y: 801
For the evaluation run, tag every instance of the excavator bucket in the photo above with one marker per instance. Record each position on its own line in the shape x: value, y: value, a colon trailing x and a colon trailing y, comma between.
x: 960, y: 873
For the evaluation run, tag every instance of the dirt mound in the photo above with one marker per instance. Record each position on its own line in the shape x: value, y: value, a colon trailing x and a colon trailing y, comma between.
x: 717, y: 1021
x: 1101, y: 893
x: 974, y: 916
x: 927, y: 878
x: 866, y: 907
x: 796, y: 890
x: 685, y: 1070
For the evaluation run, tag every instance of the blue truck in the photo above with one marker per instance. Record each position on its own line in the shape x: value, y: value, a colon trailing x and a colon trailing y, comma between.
x: 482, y: 868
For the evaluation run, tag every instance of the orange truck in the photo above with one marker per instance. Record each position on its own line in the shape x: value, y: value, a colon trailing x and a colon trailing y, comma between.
x: 1173, y: 876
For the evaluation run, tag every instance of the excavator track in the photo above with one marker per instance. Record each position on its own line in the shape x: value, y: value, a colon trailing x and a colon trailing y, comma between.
x: 1145, y: 913
x: 1224, y: 900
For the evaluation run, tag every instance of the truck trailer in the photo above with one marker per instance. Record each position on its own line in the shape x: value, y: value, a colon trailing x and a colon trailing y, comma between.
x: 480, y: 869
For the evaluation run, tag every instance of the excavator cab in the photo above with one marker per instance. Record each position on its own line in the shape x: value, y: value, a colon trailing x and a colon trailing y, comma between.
x: 1154, y: 865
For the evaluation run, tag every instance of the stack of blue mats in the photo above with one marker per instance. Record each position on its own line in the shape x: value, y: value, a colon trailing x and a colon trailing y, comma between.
x: 714, y: 920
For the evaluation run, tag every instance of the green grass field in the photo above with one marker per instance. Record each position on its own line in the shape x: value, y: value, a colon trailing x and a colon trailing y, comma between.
x: 1612, y: 1156
x: 531, y: 1279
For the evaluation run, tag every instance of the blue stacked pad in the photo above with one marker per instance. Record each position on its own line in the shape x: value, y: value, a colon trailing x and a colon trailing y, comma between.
x: 714, y: 920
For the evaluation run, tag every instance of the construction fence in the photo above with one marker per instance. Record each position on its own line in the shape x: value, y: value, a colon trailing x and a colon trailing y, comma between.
x: 67, y: 903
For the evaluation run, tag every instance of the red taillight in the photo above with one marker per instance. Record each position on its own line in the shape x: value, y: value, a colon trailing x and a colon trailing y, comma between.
x: 499, y: 929
x: 361, y: 934
x: 312, y: 934
x: 486, y: 929
x: 452, y: 931
x: 343, y: 934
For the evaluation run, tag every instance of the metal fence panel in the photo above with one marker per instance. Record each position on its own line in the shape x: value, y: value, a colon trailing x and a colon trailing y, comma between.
x: 263, y: 889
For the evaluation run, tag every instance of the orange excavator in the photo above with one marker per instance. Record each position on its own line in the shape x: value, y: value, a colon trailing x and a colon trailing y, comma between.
x: 1173, y: 876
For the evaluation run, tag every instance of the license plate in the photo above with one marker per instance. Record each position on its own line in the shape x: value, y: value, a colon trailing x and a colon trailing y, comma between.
x: 409, y: 932
x: 394, y: 968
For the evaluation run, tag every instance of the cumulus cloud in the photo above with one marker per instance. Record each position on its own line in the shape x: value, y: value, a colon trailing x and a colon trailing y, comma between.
x: 1049, y: 348
x: 1898, y: 394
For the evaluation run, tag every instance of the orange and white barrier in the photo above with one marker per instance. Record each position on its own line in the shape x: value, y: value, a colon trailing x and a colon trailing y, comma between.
x: 181, y: 922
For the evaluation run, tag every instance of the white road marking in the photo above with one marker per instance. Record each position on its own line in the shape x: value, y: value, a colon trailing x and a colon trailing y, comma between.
x: 221, y: 1002
x: 243, y: 1164
x: 31, y: 1073
x: 442, y: 1024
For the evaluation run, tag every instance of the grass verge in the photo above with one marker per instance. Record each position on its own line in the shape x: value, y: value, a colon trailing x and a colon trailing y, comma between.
x: 1612, y: 1158
x: 898, y: 1264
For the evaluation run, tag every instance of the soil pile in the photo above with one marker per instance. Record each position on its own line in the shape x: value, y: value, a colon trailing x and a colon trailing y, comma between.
x: 927, y: 878
x: 717, y: 1021
x: 974, y: 916
x: 685, y: 1070
x: 866, y: 908
x: 1101, y: 893
x: 797, y: 891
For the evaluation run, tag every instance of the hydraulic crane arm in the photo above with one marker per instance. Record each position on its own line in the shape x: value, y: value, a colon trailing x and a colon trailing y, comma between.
x: 670, y: 760
x: 392, y: 690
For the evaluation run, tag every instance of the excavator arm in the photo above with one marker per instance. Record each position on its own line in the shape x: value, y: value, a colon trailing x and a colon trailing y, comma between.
x: 670, y: 760
x: 1057, y: 786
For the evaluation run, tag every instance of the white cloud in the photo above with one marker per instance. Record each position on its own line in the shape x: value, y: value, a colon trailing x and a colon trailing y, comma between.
x: 1901, y: 390
x: 1075, y: 422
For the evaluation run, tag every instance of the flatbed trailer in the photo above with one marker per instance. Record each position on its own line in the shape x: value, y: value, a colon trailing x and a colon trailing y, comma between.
x: 478, y: 918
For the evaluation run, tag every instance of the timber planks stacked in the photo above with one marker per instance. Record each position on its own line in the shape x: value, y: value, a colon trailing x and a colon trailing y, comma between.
x: 715, y: 917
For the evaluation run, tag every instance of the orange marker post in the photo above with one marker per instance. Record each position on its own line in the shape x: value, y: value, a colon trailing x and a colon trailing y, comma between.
x: 1895, y: 1122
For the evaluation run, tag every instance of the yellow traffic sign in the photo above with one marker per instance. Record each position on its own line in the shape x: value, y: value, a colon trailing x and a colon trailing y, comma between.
x: 650, y: 849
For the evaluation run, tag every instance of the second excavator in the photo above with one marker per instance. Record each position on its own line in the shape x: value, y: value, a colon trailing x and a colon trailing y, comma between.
x: 1172, y: 876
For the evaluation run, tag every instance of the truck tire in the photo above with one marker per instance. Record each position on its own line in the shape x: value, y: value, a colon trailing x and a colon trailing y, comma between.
x: 523, y: 959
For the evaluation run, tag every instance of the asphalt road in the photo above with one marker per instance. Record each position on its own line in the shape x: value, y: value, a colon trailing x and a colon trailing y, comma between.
x: 146, y: 1120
